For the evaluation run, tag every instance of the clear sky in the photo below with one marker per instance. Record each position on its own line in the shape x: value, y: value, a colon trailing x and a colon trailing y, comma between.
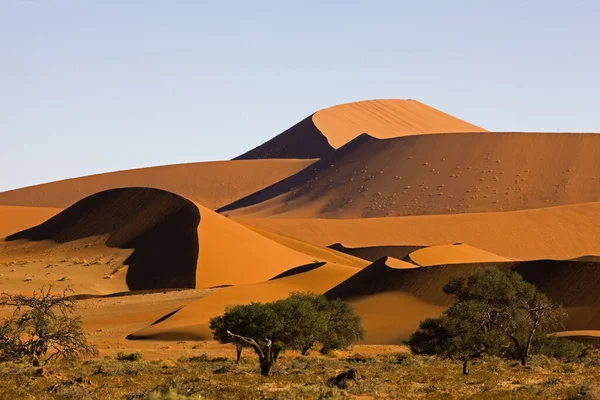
x: 89, y: 86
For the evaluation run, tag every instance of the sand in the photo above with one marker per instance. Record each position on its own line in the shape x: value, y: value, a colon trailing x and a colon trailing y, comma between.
x: 177, y: 243
x: 331, y: 128
x: 562, y: 232
x: 14, y: 219
x: 212, y: 184
x: 191, y: 322
x: 436, y: 174
x: 452, y: 254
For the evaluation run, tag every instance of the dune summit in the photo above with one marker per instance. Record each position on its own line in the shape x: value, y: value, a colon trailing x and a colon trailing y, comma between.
x: 331, y: 128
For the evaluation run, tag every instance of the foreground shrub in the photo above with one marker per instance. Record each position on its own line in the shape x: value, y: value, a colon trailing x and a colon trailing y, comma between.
x: 496, y: 313
x: 42, y: 324
x: 557, y: 347
x: 297, y: 322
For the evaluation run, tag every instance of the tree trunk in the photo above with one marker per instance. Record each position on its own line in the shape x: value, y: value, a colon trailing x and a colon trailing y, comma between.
x: 527, y: 346
x: 265, y: 366
x: 238, y: 350
x: 466, y: 366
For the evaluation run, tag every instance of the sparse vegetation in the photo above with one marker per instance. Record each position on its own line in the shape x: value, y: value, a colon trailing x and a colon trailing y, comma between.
x: 303, y: 377
x: 298, y: 322
x: 41, y: 328
x: 496, y: 313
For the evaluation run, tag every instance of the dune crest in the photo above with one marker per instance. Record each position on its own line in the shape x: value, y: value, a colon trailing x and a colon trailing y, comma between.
x: 331, y: 128
x: 212, y: 184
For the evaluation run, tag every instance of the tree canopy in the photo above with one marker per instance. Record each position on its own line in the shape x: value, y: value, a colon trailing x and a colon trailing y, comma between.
x: 40, y: 324
x: 496, y: 312
x: 297, y: 322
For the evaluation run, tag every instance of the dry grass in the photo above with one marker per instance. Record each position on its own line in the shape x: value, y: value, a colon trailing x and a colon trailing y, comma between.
x: 300, y: 377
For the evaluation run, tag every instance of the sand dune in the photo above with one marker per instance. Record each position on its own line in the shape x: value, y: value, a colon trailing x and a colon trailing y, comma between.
x: 391, y: 317
x: 333, y: 127
x: 212, y: 184
x: 569, y: 283
x: 13, y: 219
x: 452, y: 254
x: 436, y: 174
x: 160, y: 226
x: 191, y: 322
x: 563, y: 232
x: 177, y: 242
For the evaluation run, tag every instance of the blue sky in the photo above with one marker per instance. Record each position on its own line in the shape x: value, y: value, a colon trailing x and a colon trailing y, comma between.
x: 93, y: 86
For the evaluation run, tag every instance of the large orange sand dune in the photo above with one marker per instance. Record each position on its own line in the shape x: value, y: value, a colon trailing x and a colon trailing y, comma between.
x: 436, y: 174
x: 212, y: 184
x: 562, y: 232
x: 333, y: 127
x: 176, y: 242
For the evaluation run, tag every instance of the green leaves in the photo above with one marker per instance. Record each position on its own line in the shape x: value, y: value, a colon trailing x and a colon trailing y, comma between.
x: 297, y: 322
x: 496, y: 312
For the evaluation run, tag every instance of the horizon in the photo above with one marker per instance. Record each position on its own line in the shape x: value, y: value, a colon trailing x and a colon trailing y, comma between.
x: 94, y: 88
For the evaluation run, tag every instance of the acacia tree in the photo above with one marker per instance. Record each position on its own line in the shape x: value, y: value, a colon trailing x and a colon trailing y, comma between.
x: 496, y: 313
x: 40, y: 324
x: 512, y: 305
x: 296, y: 322
x: 457, y: 335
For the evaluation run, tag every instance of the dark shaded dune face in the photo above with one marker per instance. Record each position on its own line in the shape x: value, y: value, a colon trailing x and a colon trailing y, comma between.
x: 302, y: 140
x: 437, y: 174
x: 160, y: 226
x: 374, y: 253
x: 573, y: 284
x: 298, y: 270
x: 299, y: 180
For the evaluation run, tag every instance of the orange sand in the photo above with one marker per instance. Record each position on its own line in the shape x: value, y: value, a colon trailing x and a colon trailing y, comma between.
x: 212, y: 184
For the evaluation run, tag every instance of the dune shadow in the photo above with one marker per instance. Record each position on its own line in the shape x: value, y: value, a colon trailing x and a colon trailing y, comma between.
x: 298, y: 270
x: 298, y: 180
x: 566, y: 282
x: 374, y: 253
x: 303, y: 140
x: 160, y: 226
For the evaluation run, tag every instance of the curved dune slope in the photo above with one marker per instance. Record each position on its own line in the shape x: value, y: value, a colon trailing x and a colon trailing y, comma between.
x: 333, y: 127
x: 191, y: 322
x: 569, y: 283
x: 176, y: 242
x: 436, y: 174
x: 159, y: 225
x: 563, y: 232
x: 212, y: 184
x: 385, y: 119
x: 452, y: 254
x: 13, y: 218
